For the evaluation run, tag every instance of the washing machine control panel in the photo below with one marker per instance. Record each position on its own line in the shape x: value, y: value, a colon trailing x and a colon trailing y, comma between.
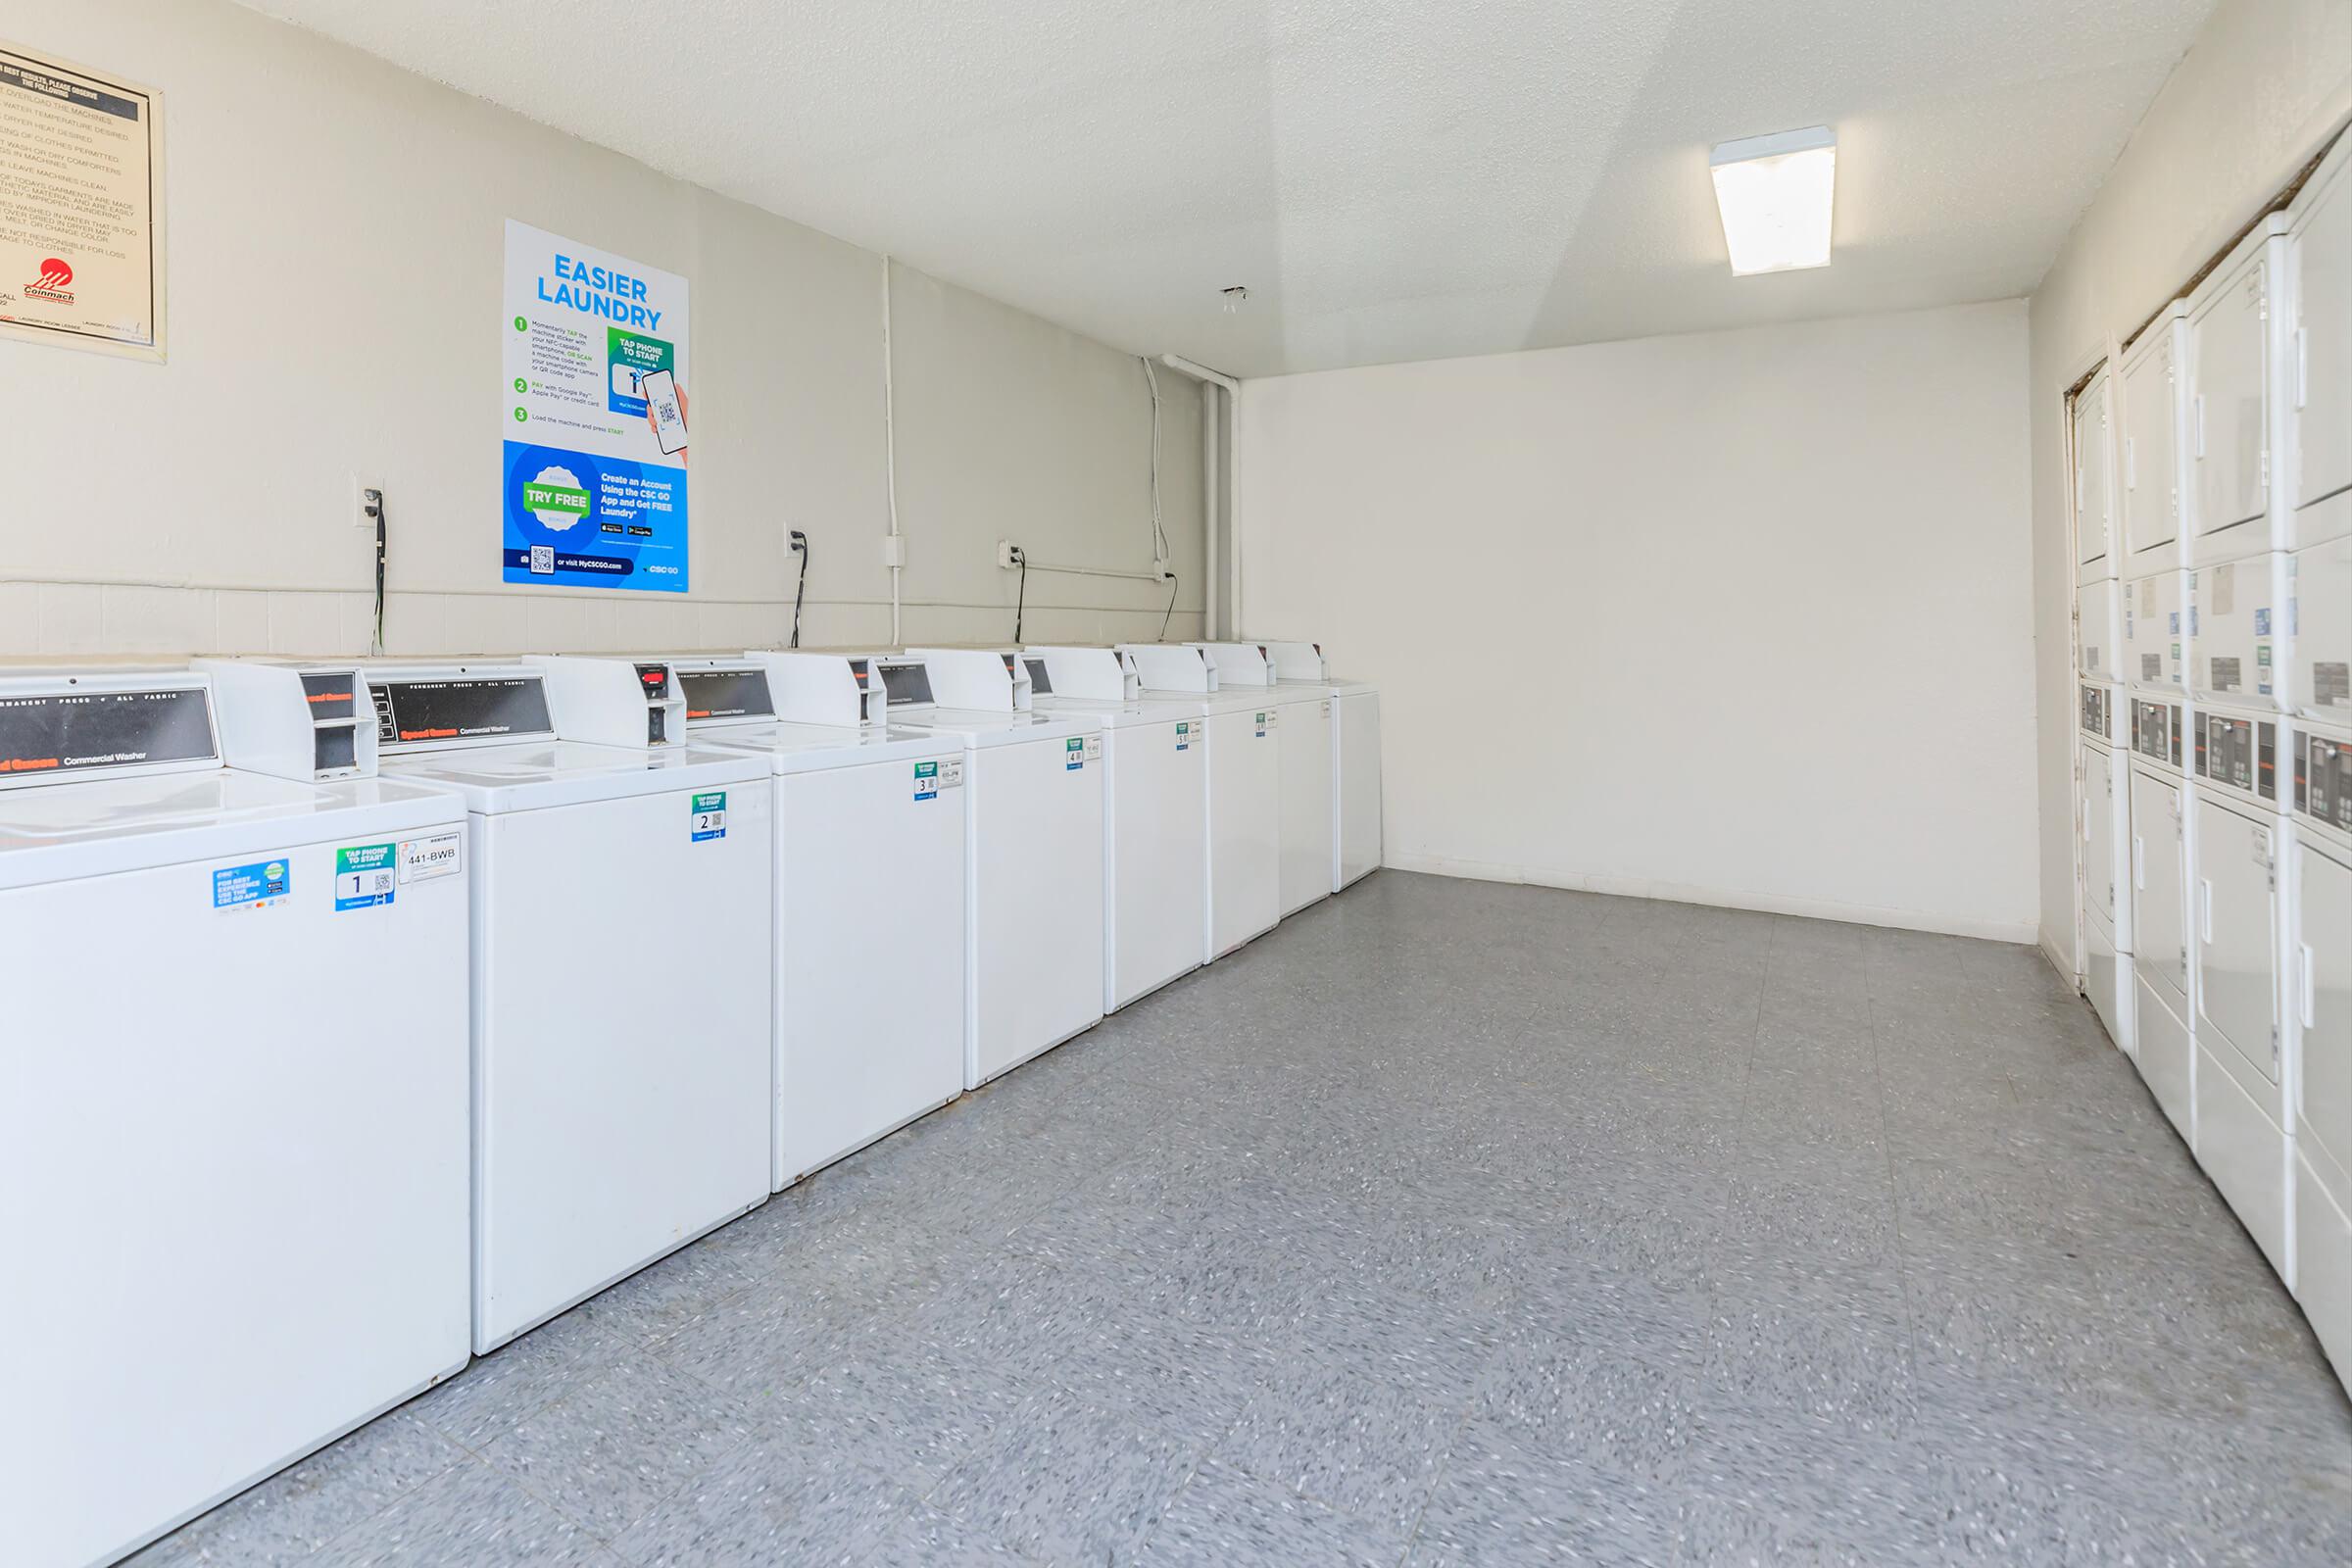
x: 2323, y: 780
x: 2240, y: 753
x: 725, y: 693
x: 906, y: 681
x: 460, y: 707
x: 54, y: 727
x: 2156, y: 729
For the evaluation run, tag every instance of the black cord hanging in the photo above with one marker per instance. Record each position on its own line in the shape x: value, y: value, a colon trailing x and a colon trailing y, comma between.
x: 1164, y: 620
x: 800, y: 548
x: 1020, y: 603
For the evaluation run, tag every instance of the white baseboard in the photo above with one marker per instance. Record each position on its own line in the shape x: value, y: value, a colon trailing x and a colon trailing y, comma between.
x: 2022, y: 932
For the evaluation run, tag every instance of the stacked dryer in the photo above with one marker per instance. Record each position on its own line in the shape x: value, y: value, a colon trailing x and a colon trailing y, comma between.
x: 2102, y: 766
x: 2317, y: 791
x: 2238, y: 351
x: 2320, y: 1025
x: 2151, y: 403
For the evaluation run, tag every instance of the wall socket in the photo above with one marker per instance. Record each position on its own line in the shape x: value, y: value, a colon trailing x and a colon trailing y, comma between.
x: 1004, y: 553
x: 360, y: 515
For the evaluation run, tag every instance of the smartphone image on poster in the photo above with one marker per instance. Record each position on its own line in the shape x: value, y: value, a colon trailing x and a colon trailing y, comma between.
x: 660, y: 393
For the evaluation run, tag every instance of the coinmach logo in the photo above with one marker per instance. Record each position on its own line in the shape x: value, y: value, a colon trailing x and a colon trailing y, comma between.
x: 52, y: 284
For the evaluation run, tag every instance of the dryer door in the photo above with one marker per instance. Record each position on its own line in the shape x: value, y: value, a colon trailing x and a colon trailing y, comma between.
x: 2321, y: 997
x: 2231, y: 908
x: 2098, y: 832
x: 2157, y: 906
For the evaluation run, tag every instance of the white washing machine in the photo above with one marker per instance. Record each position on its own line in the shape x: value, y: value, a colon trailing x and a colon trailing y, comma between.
x: 2162, y: 843
x: 1299, y: 717
x: 2319, y: 1024
x: 1155, y: 814
x: 1244, y: 793
x: 2105, y: 812
x: 1033, y: 850
x: 235, y: 1146
x: 869, y: 879
x: 2236, y: 941
x: 2319, y: 442
x: 621, y: 952
x: 1354, y: 759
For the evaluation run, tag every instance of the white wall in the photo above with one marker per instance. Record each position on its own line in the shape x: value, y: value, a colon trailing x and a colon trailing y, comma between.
x: 2260, y: 91
x: 335, y: 229
x: 1737, y: 617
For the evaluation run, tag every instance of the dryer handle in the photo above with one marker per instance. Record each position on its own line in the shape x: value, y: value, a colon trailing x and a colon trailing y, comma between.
x: 2205, y: 884
x: 2310, y: 988
x: 2139, y: 863
x: 2302, y: 367
x: 2198, y: 403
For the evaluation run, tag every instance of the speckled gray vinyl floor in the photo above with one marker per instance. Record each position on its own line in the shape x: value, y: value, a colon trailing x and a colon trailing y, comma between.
x: 1450, y: 1223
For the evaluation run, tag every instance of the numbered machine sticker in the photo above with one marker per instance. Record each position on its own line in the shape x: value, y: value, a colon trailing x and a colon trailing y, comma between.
x: 365, y: 875
x: 261, y: 885
x: 1073, y: 755
x: 932, y: 777
x: 710, y: 815
x: 1264, y: 720
x: 422, y: 860
x: 1183, y: 737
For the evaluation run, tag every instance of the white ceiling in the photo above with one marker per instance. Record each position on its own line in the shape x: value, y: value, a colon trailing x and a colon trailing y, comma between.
x: 1392, y: 179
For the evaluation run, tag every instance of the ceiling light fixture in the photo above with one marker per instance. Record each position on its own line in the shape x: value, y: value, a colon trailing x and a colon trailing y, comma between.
x: 1775, y: 193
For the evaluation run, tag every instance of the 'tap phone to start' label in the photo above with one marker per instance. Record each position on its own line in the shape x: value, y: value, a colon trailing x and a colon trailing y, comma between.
x: 365, y: 875
x: 709, y: 819
x: 932, y: 777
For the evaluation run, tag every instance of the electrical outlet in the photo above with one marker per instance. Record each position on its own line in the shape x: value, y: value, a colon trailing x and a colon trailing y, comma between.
x: 1008, y: 556
x: 363, y: 508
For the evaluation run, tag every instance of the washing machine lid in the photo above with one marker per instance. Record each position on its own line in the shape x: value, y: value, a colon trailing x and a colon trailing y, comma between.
x: 106, y: 825
x: 979, y: 731
x: 1124, y: 715
x: 532, y: 775
x: 814, y: 748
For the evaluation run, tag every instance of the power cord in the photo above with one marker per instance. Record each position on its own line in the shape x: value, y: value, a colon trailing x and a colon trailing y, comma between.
x: 1020, y: 603
x: 1164, y: 620
x: 373, y: 505
x: 800, y: 547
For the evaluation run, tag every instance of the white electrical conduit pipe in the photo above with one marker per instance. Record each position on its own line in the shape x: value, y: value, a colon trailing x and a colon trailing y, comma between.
x: 1208, y: 485
x: 890, y: 454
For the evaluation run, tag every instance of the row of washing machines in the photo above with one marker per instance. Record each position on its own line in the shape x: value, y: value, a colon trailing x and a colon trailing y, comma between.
x: 365, y: 1015
x: 2213, y: 500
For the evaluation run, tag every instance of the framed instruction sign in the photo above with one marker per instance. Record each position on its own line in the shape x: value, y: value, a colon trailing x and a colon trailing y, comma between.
x: 82, y: 253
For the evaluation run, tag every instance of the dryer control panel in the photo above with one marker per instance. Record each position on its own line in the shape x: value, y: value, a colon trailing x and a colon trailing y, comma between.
x: 2097, y: 705
x: 2156, y: 727
x: 2241, y: 754
x: 62, y: 725
x: 2323, y: 780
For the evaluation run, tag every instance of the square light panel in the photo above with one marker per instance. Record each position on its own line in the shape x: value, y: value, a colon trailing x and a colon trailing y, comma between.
x: 1775, y: 193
